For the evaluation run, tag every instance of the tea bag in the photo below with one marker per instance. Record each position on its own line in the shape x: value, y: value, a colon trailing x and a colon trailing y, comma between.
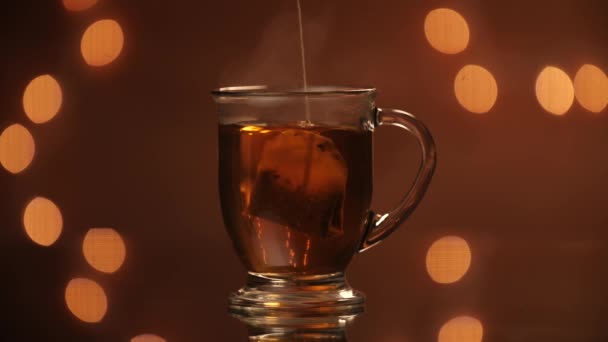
x: 300, y: 183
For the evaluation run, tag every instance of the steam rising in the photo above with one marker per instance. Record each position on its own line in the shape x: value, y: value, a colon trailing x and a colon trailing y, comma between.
x: 276, y: 59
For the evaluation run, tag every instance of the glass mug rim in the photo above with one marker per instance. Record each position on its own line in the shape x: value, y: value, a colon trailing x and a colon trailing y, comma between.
x: 276, y: 91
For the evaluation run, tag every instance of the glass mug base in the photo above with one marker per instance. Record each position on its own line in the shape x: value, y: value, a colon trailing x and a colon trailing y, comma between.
x: 296, y: 296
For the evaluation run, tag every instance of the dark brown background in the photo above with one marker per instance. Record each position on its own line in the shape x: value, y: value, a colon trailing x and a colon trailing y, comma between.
x: 134, y: 148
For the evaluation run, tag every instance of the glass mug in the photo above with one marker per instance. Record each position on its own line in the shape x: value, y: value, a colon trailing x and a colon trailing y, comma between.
x: 295, y: 178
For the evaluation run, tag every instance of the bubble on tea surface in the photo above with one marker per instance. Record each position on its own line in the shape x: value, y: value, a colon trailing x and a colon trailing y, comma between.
x: 300, y: 182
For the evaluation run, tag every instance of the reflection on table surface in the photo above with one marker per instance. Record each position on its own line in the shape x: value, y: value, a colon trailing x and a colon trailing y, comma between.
x: 286, y: 327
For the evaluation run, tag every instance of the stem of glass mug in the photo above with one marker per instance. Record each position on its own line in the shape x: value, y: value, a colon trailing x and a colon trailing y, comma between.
x: 379, y: 226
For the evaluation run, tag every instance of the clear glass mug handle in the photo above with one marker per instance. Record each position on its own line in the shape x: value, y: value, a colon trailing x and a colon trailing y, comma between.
x: 379, y: 226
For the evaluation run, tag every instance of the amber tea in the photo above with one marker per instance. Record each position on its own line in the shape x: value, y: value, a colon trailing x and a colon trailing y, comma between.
x: 295, y: 197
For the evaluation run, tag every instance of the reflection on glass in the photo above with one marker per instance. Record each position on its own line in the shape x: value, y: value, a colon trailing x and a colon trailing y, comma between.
x: 446, y: 30
x: 336, y: 336
x: 291, y: 326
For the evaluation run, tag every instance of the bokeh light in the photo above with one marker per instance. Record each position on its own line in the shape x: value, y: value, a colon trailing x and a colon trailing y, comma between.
x: 446, y: 30
x: 42, y: 221
x: 448, y: 259
x: 148, y: 338
x: 591, y: 88
x: 554, y: 90
x: 78, y: 5
x: 42, y: 99
x: 476, y: 89
x: 86, y: 300
x: 104, y: 249
x: 17, y: 148
x: 102, y: 42
x: 461, y: 329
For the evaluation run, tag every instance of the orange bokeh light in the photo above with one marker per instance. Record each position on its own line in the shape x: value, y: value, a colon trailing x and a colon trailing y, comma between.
x: 591, y: 88
x: 104, y: 249
x: 86, y: 300
x: 42, y: 99
x: 446, y: 30
x: 554, y: 90
x: 42, y: 221
x: 476, y: 89
x: 17, y: 148
x: 78, y: 5
x: 461, y: 329
x: 148, y: 338
x: 448, y: 259
x: 102, y: 42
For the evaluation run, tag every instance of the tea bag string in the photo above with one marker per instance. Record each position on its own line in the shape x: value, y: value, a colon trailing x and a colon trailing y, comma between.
x: 303, y: 56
